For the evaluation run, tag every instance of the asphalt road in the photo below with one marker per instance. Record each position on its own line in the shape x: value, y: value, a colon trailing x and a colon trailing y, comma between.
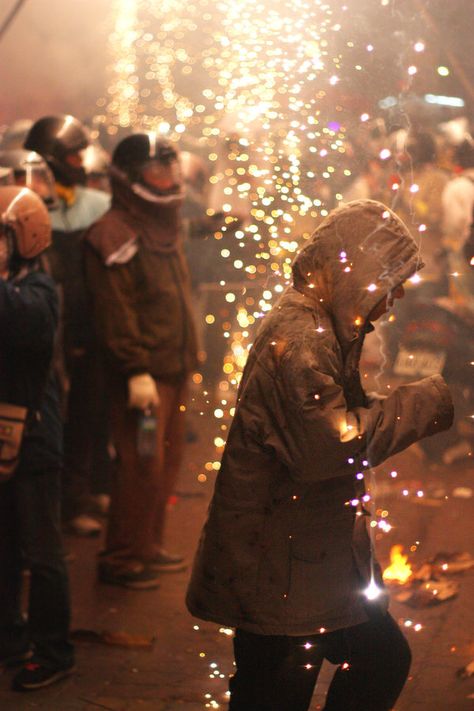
x: 183, y: 664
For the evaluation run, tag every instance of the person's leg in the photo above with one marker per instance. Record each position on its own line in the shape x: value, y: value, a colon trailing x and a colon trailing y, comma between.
x: 14, y: 641
x: 130, y: 532
x: 101, y: 462
x: 171, y: 426
x: 38, y: 505
x: 274, y: 673
x: 77, y: 441
x: 374, y: 660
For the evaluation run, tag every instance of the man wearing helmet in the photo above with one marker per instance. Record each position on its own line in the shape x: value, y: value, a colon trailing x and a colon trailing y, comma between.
x: 29, y: 501
x: 62, y: 141
x: 142, y: 307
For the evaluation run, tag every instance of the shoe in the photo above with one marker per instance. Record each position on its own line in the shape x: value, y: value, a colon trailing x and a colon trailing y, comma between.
x: 84, y: 525
x: 36, y: 675
x: 141, y: 579
x: 165, y: 562
x: 100, y: 504
x: 12, y: 658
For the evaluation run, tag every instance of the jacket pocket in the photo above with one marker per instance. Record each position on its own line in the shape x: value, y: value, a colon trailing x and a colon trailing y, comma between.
x: 323, y: 575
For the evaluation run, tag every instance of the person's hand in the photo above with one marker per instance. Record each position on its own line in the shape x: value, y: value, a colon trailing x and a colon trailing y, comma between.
x: 142, y: 392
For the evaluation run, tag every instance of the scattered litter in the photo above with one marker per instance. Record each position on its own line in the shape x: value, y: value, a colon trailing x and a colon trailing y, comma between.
x: 466, y: 672
x: 116, y: 639
x: 452, y: 562
x: 430, y: 593
x: 462, y: 492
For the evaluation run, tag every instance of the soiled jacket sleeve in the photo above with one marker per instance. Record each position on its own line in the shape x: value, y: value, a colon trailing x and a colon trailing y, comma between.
x: 322, y: 435
x: 28, y: 312
x: 113, y: 295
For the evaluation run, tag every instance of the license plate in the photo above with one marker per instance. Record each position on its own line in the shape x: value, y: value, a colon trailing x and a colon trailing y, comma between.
x: 419, y: 362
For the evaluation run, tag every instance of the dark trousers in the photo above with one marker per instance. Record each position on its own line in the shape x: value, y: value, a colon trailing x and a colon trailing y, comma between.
x: 141, y: 487
x: 87, y: 463
x: 277, y: 673
x: 30, y: 538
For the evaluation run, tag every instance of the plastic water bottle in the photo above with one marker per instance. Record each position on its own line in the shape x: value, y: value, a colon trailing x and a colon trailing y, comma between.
x: 147, y: 434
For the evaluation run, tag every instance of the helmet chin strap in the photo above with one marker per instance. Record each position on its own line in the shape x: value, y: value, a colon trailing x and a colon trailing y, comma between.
x: 164, y: 200
x: 4, y: 257
x: 7, y: 250
x: 12, y: 266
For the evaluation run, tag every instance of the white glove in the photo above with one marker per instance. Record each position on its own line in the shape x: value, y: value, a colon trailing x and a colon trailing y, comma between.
x: 142, y: 392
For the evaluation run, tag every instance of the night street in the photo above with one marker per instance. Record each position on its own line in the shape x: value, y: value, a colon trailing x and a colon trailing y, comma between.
x: 236, y: 288
x: 186, y: 668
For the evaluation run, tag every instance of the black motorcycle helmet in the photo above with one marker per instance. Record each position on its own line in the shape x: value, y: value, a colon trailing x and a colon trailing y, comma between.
x: 136, y: 152
x: 421, y: 148
x: 464, y: 154
x: 96, y: 162
x: 56, y: 137
x: 133, y: 152
x: 30, y: 170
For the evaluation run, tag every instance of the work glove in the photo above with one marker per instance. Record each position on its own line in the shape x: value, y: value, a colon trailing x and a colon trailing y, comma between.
x: 142, y: 392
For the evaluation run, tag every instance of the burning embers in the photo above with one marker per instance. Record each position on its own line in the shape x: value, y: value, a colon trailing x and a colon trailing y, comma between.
x: 429, y: 584
x: 399, y: 570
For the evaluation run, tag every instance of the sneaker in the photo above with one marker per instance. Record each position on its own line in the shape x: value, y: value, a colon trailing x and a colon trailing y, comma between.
x: 36, y: 675
x: 165, y: 562
x: 141, y: 579
x: 14, y: 657
x: 84, y: 525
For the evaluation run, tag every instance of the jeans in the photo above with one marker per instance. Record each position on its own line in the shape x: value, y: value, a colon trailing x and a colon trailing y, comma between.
x: 30, y: 538
x: 278, y: 673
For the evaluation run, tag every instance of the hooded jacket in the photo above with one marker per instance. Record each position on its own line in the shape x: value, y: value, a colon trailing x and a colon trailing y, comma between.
x: 140, y: 288
x: 285, y: 550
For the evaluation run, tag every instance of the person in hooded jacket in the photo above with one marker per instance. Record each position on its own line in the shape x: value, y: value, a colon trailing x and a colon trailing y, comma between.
x: 285, y: 556
x: 140, y: 289
x: 30, y: 534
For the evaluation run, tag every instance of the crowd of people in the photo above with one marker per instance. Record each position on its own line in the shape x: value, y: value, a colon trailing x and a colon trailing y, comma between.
x: 98, y: 344
x: 121, y: 350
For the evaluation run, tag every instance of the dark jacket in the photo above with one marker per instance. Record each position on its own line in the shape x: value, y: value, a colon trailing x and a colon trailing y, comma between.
x: 141, y: 304
x: 284, y: 551
x: 28, y: 322
x: 66, y: 261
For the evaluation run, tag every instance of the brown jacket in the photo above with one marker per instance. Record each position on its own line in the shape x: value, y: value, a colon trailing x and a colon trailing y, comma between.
x: 283, y: 550
x: 141, y: 304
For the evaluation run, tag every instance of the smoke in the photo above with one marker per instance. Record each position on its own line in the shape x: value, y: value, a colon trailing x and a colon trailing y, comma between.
x: 53, y: 58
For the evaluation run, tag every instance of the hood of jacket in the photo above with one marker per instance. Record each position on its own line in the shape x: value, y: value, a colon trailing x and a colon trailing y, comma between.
x: 157, y: 225
x: 356, y: 256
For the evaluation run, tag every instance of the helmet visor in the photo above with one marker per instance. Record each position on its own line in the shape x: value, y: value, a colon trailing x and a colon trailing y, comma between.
x: 39, y: 179
x: 6, y: 176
